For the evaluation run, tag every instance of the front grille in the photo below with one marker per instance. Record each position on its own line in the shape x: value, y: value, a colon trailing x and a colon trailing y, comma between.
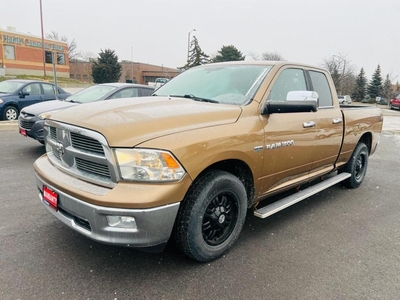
x: 53, y: 133
x: 81, y: 152
x: 57, y: 154
x: 86, y: 143
x: 91, y: 167
x: 26, y: 124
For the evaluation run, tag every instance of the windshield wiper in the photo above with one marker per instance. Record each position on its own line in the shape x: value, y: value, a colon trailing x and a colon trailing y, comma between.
x: 193, y: 97
x: 73, y: 101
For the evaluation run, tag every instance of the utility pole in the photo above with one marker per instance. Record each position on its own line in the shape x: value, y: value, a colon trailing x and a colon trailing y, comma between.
x: 189, y: 44
x: 44, y: 52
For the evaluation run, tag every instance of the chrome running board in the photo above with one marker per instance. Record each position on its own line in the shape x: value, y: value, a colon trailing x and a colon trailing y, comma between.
x: 279, y: 205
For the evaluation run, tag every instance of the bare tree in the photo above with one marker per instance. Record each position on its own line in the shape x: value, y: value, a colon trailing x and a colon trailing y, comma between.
x: 342, y: 72
x: 72, y: 46
x: 253, y: 55
x: 272, y: 56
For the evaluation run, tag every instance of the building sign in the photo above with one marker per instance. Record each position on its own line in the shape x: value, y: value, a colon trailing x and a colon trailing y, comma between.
x: 27, y: 42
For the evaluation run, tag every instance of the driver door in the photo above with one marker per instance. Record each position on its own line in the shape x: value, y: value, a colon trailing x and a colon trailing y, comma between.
x: 289, y: 138
x: 33, y: 94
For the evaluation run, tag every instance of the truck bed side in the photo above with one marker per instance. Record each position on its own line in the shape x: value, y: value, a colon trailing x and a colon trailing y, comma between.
x: 359, y: 122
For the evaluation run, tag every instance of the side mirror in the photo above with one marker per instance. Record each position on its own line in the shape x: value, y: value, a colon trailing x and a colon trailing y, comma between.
x: 296, y: 101
x: 302, y: 96
x: 22, y: 94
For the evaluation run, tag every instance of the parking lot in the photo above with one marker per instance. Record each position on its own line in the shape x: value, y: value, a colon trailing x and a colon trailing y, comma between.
x: 339, y: 244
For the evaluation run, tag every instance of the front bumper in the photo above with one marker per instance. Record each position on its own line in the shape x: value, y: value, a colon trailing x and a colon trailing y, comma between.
x: 153, y: 224
x: 32, y: 125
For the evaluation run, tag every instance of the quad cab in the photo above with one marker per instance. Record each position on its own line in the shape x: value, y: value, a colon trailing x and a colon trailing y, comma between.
x: 206, y: 149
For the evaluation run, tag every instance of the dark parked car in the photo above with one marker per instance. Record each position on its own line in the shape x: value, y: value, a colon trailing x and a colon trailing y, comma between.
x: 31, y: 119
x: 17, y: 94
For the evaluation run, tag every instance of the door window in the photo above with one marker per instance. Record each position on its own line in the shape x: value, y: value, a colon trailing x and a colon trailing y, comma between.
x: 48, y: 89
x: 146, y: 92
x: 321, y: 86
x: 126, y: 93
x: 287, y: 81
x: 33, y: 89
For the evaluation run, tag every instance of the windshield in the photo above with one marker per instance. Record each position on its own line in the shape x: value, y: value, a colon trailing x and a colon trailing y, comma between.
x: 227, y: 84
x: 90, y: 94
x: 9, y: 87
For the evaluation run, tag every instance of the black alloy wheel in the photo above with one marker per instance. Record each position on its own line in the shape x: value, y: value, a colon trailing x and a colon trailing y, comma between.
x: 220, y: 218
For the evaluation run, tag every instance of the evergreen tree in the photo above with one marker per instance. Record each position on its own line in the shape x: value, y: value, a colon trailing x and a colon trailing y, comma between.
x: 106, y: 68
x: 375, y: 85
x: 360, y: 89
x: 387, y: 88
x: 228, y: 53
x: 196, y: 56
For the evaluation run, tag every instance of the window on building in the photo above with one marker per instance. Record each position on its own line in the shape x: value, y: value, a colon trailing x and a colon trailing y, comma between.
x: 78, y: 76
x: 85, y: 77
x: 60, y: 58
x: 48, y: 57
x: 9, y: 52
x: 71, y: 76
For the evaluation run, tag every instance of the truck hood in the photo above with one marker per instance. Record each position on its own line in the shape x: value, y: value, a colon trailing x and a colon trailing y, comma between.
x: 129, y: 122
x: 47, y: 106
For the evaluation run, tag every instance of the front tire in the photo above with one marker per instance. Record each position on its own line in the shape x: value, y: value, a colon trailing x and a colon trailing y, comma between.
x: 10, y: 113
x: 357, y: 166
x: 212, y: 216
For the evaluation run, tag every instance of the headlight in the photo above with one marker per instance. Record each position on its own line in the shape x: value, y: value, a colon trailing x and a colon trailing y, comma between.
x: 148, y: 165
x: 1, y: 101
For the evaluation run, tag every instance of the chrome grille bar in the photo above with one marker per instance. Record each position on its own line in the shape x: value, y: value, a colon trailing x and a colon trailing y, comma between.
x: 86, y: 143
x: 91, y: 167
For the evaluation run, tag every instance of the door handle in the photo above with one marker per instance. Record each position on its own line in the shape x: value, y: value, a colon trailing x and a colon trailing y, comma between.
x: 308, y: 124
x: 337, y: 121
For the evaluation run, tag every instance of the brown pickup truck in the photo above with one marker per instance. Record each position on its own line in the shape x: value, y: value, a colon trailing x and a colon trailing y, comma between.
x: 190, y: 161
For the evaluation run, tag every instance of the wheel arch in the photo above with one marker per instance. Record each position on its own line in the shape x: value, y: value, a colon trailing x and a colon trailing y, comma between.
x: 238, y: 168
x: 10, y: 104
x: 366, y: 138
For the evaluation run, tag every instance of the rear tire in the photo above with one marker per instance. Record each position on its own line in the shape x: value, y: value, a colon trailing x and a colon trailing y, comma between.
x: 10, y: 113
x: 357, y: 166
x: 212, y: 216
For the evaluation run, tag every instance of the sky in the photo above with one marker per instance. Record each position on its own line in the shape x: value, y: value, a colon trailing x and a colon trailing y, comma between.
x: 366, y: 32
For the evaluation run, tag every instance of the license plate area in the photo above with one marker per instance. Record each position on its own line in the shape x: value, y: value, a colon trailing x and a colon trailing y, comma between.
x: 50, y: 197
x: 22, y: 131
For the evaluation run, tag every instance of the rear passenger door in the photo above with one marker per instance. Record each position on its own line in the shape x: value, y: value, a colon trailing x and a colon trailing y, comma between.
x: 329, y: 124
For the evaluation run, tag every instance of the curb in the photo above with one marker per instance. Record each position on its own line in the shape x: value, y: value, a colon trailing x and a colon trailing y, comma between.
x: 8, y: 125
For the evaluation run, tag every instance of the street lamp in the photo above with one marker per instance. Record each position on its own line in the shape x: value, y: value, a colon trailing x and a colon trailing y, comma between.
x: 189, y: 43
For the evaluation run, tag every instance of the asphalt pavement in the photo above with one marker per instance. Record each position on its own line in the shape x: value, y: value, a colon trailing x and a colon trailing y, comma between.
x: 338, y: 244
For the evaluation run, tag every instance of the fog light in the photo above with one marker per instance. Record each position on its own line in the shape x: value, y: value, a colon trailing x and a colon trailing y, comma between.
x: 121, y: 222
